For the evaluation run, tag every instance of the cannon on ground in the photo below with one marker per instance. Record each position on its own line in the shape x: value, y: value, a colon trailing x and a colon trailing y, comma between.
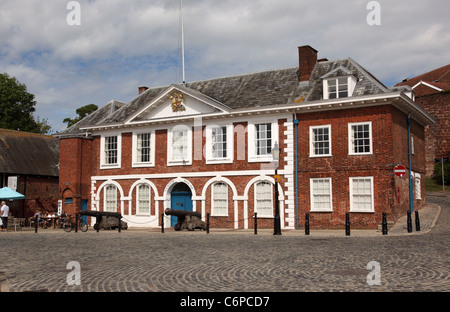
x: 187, y: 220
x: 106, y: 220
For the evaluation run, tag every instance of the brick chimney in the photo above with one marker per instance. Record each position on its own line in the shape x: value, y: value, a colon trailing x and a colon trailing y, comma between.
x: 142, y: 89
x: 307, y: 57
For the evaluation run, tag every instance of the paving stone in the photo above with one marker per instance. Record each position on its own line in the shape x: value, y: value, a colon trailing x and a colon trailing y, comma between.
x: 229, y: 261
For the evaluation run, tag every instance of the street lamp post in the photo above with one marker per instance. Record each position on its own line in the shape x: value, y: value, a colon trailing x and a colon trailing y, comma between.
x: 276, y: 221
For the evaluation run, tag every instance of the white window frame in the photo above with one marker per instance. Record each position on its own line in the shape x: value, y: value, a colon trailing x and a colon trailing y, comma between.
x: 252, y: 144
x: 107, y: 201
x: 351, y: 139
x: 103, y: 162
x: 256, y: 199
x: 353, y: 208
x: 312, y: 147
x: 313, y: 195
x: 170, y: 154
x: 136, y: 162
x: 214, y: 210
x: 210, y: 159
x: 138, y: 200
x: 417, y: 186
x: 351, y: 84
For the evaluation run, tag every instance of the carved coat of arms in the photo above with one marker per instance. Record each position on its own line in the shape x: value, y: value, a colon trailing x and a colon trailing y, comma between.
x: 178, y: 104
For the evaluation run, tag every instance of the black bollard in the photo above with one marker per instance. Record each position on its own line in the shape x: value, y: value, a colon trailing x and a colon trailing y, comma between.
x: 36, y: 224
x: 384, y: 224
x: 207, y: 223
x: 307, y: 224
x: 417, y: 221
x: 256, y: 223
x: 409, y: 222
x: 347, y: 224
x: 162, y: 223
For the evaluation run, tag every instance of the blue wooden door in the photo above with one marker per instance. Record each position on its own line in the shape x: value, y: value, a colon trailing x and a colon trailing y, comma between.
x: 180, y: 201
x: 84, y: 206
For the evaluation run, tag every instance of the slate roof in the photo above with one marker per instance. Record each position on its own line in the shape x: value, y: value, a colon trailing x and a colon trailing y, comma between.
x: 273, y: 87
x: 26, y: 153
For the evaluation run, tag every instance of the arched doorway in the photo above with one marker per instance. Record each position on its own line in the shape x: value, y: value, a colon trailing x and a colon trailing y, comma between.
x: 180, y: 199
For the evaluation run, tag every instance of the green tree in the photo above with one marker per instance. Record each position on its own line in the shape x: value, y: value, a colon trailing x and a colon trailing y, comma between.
x: 17, y: 107
x: 82, y: 112
x: 438, y: 171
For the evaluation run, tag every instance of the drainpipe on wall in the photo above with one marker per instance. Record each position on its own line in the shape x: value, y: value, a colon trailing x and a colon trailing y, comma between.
x: 411, y: 205
x: 296, y: 174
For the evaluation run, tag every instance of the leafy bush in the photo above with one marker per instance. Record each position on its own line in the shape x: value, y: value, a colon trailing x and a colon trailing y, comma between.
x: 438, y: 172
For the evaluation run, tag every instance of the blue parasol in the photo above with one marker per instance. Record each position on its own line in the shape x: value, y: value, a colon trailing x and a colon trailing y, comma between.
x: 7, y: 193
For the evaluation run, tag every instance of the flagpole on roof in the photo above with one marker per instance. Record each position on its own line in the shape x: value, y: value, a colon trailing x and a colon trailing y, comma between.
x: 182, y: 40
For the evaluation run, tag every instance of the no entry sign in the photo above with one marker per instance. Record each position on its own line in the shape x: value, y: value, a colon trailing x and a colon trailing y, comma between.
x: 399, y: 171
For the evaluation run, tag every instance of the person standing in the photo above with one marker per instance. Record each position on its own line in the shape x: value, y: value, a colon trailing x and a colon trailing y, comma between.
x: 4, y: 214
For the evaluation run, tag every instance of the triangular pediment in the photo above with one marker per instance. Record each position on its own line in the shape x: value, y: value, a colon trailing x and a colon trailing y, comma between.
x: 177, y: 101
x: 340, y: 71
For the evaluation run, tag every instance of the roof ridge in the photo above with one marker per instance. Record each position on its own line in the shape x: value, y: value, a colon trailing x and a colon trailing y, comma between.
x: 19, y: 132
x: 243, y: 75
x: 369, y: 75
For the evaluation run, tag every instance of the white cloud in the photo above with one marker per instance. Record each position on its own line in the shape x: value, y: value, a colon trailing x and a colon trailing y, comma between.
x: 122, y: 44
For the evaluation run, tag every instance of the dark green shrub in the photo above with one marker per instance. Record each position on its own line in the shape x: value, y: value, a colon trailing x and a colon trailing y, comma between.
x: 438, y: 172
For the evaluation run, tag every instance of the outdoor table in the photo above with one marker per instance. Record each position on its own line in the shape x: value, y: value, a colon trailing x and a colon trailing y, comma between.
x: 52, y: 219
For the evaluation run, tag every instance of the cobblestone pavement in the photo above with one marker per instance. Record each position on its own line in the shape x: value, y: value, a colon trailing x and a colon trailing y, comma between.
x: 232, y: 261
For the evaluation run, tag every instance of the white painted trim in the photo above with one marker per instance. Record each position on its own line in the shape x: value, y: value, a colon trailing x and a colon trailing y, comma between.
x: 255, y: 200
x: 117, y: 165
x: 263, y: 178
x: 185, y: 91
x: 219, y: 179
x: 191, y: 175
x: 236, y: 198
x: 428, y: 85
x: 230, y: 144
x: 350, y: 144
x: 245, y: 114
x: 134, y: 161
x: 311, y: 141
x: 177, y: 162
x: 352, y: 208
x: 119, y: 188
x: 213, y: 213
x: 171, y: 184
x: 139, y: 182
x: 351, y: 84
x: 417, y: 188
x: 251, y: 139
x: 311, y: 197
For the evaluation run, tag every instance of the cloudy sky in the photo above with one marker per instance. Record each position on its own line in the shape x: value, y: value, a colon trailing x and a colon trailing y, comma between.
x: 123, y: 44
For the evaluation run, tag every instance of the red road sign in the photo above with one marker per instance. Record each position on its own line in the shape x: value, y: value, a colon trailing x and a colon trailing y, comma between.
x: 399, y: 171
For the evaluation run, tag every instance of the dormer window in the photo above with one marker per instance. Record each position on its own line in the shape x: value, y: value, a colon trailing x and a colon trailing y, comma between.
x: 339, y: 86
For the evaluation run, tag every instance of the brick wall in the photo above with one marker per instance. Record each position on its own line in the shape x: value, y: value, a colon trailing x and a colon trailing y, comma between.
x: 76, y: 159
x: 389, y: 134
x: 41, y: 193
x: 401, y: 185
x: 437, y: 135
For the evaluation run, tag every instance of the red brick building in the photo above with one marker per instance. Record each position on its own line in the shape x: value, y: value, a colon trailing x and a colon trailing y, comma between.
x: 432, y: 92
x: 206, y: 146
